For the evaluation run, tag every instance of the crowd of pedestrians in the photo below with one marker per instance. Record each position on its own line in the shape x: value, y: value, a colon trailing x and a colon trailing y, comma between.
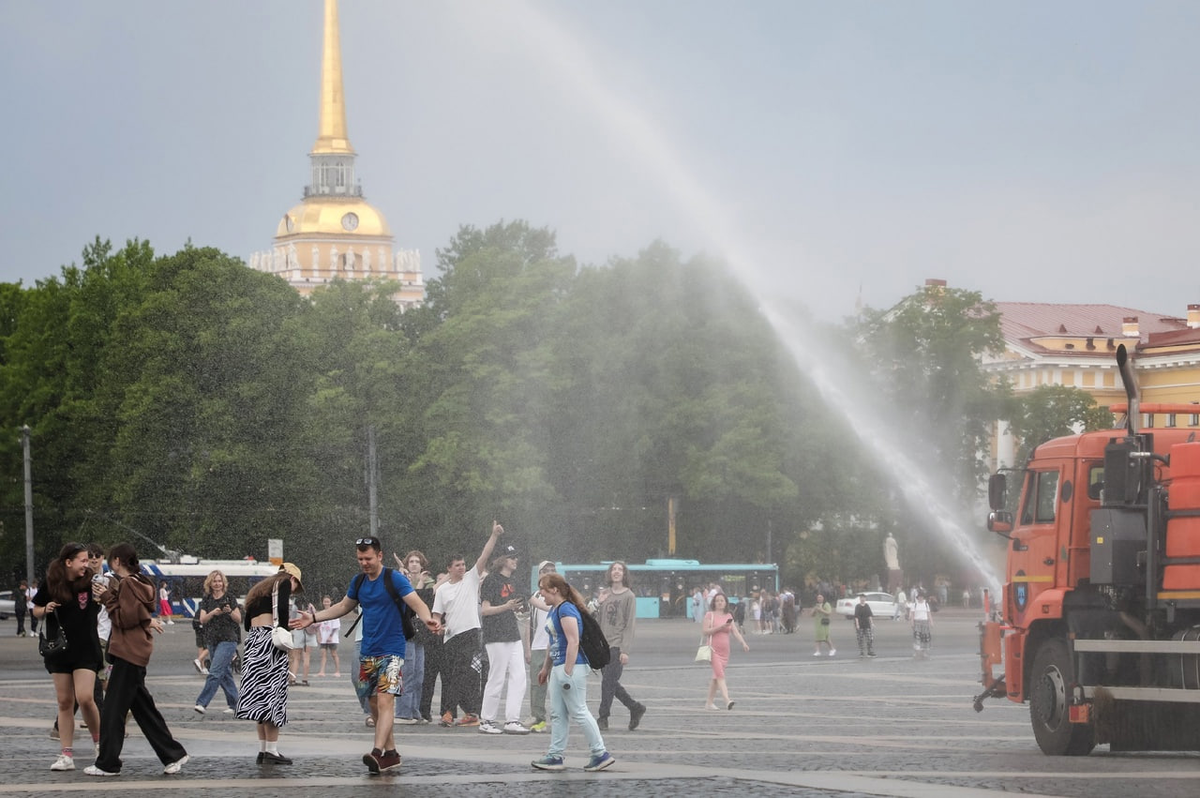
x: 463, y: 628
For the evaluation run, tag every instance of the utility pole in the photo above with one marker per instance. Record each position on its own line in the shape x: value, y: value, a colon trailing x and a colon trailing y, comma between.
x: 372, y: 481
x: 28, y: 505
x: 769, y: 557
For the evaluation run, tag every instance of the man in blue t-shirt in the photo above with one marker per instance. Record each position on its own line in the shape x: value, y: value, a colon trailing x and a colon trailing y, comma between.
x: 381, y: 654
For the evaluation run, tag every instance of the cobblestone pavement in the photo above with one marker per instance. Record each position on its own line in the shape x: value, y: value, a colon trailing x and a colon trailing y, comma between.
x: 802, y: 726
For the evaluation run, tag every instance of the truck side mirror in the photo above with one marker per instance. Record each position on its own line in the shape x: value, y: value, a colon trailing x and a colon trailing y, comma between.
x: 997, y: 492
x: 1000, y: 522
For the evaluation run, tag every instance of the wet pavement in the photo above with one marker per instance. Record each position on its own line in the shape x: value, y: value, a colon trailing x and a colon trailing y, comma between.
x: 801, y: 726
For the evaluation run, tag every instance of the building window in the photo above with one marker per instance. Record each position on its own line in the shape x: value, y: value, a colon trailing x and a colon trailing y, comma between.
x: 1148, y: 420
x: 1170, y: 419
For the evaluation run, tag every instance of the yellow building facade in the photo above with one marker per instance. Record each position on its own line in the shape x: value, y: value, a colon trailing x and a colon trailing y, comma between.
x: 1076, y: 346
x: 333, y: 232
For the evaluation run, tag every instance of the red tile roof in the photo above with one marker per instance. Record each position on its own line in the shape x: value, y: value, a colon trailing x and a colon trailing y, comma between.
x: 1022, y: 321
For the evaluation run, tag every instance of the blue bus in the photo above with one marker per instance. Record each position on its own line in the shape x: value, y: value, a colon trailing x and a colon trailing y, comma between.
x: 664, y: 587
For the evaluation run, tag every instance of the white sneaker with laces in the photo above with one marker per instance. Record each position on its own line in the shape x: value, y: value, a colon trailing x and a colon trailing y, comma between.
x: 487, y: 727
x: 199, y: 709
x: 832, y: 651
x: 63, y: 762
x: 174, y: 767
x: 515, y: 727
x: 92, y: 770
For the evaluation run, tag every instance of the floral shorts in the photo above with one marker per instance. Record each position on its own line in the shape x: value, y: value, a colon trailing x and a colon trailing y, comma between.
x: 379, y: 675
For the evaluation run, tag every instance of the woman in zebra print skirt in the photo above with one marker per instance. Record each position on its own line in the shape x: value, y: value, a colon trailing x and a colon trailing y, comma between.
x: 265, y: 668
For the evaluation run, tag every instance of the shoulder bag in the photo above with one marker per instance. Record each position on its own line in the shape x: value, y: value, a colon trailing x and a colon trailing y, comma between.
x: 704, y: 652
x: 281, y: 636
x: 56, y: 646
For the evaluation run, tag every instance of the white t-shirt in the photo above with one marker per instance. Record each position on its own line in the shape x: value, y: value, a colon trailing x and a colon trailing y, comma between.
x: 920, y: 610
x: 458, y: 604
x: 541, y: 636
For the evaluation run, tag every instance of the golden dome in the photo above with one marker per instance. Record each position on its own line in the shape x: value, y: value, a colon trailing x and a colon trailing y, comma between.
x: 324, y: 215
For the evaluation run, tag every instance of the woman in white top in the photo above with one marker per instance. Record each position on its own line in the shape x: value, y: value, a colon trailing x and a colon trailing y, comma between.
x: 922, y: 626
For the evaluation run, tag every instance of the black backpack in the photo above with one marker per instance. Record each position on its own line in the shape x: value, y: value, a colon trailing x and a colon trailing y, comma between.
x: 592, y: 641
x: 406, y: 613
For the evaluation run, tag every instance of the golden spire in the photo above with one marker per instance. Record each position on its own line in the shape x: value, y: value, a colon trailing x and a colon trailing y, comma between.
x: 331, y: 136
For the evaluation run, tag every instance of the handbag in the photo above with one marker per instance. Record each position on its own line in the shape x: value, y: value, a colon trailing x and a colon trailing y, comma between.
x: 281, y: 637
x: 52, y: 647
x: 704, y: 652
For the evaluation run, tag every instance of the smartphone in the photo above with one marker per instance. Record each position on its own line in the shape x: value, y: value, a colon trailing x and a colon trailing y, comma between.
x: 728, y: 621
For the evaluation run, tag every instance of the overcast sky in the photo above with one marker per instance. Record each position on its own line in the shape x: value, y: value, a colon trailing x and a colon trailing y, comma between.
x: 1031, y: 151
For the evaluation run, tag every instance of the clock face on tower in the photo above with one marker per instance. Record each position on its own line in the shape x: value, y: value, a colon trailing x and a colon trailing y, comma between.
x: 350, y: 221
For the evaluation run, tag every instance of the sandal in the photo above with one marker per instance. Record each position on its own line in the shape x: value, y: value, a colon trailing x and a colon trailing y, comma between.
x: 370, y: 722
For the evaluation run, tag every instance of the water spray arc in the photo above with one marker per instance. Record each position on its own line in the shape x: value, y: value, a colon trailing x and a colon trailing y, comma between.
x: 567, y: 60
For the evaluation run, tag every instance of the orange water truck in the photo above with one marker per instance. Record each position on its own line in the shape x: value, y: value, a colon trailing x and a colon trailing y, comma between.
x: 1098, y: 625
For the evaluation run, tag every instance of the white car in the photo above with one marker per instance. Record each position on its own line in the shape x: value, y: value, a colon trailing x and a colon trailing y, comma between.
x: 7, y: 608
x: 883, y: 605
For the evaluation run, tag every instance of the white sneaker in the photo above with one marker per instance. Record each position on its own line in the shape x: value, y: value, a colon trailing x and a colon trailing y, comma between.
x: 174, y: 767
x: 228, y: 710
x: 832, y: 651
x: 63, y: 762
x: 816, y: 653
x: 713, y: 707
x: 199, y: 709
x: 406, y: 721
x: 92, y: 770
x: 487, y: 727
x: 515, y: 727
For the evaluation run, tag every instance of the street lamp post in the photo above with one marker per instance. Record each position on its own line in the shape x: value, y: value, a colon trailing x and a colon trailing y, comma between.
x: 28, y: 505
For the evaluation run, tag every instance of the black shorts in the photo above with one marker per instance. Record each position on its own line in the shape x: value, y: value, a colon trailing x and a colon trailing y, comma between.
x: 82, y: 661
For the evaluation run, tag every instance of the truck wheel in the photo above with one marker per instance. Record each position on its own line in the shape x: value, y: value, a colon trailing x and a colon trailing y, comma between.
x: 1048, y: 703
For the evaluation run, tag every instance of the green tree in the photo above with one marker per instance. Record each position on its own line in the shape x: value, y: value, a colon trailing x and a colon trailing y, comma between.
x: 1051, y: 411
x: 924, y: 357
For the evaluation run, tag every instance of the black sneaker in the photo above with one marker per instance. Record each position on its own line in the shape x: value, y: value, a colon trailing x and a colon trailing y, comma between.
x: 635, y: 716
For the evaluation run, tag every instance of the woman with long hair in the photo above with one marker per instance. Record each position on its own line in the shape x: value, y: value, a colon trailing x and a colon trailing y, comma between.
x: 129, y: 599
x: 64, y: 599
x: 718, y: 626
x: 219, y: 616
x: 265, y: 669
x: 565, y: 670
x: 408, y: 706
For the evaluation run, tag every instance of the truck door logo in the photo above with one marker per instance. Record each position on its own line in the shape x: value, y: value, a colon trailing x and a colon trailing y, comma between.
x: 1021, y: 592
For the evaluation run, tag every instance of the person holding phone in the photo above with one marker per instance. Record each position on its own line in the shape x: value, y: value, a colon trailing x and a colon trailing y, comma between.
x: 718, y: 626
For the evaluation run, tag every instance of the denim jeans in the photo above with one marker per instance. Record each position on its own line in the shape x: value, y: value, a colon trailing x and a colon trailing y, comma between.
x: 220, y: 674
x: 408, y: 705
x: 356, y: 680
x: 571, y: 705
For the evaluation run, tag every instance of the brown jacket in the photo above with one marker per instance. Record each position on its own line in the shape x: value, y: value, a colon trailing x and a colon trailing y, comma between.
x: 130, y: 605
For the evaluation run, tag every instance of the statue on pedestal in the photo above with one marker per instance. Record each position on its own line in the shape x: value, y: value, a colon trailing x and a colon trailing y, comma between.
x: 891, y: 558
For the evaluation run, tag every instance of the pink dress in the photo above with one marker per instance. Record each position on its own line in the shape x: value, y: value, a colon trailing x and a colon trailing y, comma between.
x: 719, y: 642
